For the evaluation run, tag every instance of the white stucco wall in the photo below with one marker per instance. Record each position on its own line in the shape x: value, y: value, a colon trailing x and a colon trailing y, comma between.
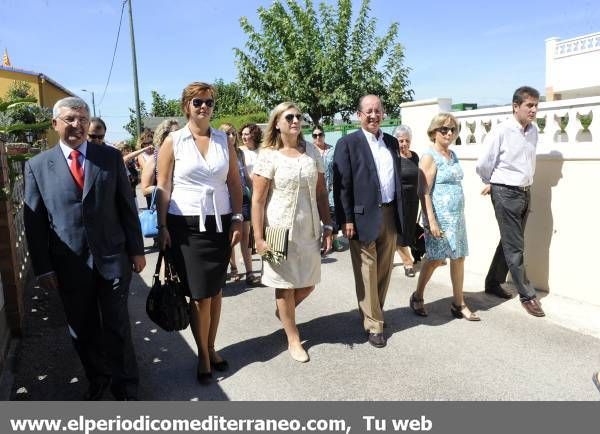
x: 573, y: 65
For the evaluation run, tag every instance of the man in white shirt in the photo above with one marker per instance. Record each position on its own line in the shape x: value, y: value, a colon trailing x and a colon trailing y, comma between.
x: 367, y: 192
x: 507, y: 166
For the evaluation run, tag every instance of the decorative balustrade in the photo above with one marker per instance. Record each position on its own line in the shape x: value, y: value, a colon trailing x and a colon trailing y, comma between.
x: 567, y: 121
x: 577, y: 45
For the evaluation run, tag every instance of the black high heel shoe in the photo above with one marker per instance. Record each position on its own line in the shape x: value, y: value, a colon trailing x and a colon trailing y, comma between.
x: 204, y: 378
x: 221, y: 366
x: 457, y: 312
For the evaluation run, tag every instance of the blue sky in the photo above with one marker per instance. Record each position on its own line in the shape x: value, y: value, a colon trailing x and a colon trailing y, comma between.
x: 470, y: 51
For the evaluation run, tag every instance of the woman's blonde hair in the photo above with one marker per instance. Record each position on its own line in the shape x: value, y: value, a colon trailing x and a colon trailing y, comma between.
x: 442, y: 120
x: 191, y: 91
x: 162, y: 131
x: 272, y: 137
x: 229, y: 128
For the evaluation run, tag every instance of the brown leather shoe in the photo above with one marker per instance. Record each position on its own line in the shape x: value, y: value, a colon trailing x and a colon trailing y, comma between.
x: 533, y: 307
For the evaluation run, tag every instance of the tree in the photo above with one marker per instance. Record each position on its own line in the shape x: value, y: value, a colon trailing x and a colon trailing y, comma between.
x: 20, y: 113
x: 163, y: 107
x: 233, y: 100
x: 131, y: 126
x: 323, y: 61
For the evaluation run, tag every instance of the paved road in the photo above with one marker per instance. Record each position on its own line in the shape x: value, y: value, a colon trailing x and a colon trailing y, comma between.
x: 509, y: 355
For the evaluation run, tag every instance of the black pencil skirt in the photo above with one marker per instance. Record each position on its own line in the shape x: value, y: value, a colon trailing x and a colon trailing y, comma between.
x: 200, y: 258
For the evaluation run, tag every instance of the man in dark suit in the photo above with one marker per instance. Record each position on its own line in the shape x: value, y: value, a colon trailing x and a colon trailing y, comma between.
x: 84, y: 239
x: 367, y: 193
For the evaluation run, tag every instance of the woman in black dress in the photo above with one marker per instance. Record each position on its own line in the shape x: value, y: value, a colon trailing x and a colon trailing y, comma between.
x: 410, y: 177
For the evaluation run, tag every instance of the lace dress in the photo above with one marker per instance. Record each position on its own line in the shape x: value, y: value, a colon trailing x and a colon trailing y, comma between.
x: 293, y: 204
x: 449, y: 209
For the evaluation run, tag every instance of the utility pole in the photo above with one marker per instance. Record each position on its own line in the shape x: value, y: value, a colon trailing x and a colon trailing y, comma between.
x: 135, y: 76
x: 93, y: 100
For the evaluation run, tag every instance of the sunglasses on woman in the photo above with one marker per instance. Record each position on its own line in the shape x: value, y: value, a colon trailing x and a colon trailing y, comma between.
x: 197, y: 102
x: 290, y: 117
x: 444, y: 130
x: 315, y: 135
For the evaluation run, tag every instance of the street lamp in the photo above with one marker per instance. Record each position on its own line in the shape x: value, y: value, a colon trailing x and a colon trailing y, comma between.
x: 93, y: 100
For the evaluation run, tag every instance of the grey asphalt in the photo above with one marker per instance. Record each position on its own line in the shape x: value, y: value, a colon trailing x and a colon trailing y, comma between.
x: 509, y: 355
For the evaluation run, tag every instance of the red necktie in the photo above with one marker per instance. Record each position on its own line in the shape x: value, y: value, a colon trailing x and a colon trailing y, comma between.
x: 76, y: 169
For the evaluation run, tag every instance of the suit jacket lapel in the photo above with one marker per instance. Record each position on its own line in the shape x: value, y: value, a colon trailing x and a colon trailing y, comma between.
x: 368, y: 156
x: 59, y: 166
x: 91, y: 170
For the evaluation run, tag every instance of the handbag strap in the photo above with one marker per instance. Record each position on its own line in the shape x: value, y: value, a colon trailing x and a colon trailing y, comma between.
x: 153, y: 200
x: 161, y: 255
x: 170, y: 272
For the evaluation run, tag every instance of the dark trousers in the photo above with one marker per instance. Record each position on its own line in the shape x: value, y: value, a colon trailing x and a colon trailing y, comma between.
x: 98, y: 319
x: 512, y: 208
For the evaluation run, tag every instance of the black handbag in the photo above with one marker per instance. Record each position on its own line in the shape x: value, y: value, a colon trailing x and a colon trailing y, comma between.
x: 166, y: 304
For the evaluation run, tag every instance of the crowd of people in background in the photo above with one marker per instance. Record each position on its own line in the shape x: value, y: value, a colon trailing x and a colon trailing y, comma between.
x: 215, y: 188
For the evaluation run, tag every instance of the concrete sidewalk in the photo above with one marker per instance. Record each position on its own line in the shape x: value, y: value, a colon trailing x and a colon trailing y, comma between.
x: 509, y: 355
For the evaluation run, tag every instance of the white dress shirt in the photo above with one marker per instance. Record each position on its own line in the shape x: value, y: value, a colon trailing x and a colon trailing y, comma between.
x: 509, y: 154
x: 384, y: 162
x: 66, y: 150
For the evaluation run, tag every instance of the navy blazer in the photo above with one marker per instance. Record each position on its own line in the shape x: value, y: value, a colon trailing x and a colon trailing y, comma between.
x: 356, y: 189
x: 61, y: 221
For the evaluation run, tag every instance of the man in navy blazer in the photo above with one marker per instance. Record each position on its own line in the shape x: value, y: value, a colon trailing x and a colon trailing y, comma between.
x: 367, y: 191
x: 84, y: 239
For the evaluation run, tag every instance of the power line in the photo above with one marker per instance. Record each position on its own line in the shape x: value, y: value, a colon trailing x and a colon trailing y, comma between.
x: 114, y: 54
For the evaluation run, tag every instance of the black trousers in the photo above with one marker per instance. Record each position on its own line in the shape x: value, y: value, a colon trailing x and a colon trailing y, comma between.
x: 98, y: 319
x: 511, y: 206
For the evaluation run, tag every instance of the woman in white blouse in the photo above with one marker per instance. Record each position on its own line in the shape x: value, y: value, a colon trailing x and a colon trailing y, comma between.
x: 290, y: 192
x: 251, y: 135
x: 199, y: 198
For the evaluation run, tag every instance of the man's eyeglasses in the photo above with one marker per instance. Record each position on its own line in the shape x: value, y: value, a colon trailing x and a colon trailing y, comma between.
x: 444, y: 130
x: 372, y: 113
x: 197, y: 102
x: 290, y: 117
x: 315, y: 135
x: 96, y: 136
x: 72, y: 121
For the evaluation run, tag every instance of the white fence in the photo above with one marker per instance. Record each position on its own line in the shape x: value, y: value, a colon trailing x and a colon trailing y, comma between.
x: 563, y: 121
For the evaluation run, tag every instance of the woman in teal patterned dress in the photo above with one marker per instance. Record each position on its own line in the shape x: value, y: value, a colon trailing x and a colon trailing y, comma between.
x: 443, y: 204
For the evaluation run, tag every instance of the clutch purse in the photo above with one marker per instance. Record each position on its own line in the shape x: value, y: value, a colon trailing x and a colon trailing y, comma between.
x: 277, y: 239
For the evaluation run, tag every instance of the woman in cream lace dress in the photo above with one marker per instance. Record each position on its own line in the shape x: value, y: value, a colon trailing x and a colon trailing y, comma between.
x: 290, y: 192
